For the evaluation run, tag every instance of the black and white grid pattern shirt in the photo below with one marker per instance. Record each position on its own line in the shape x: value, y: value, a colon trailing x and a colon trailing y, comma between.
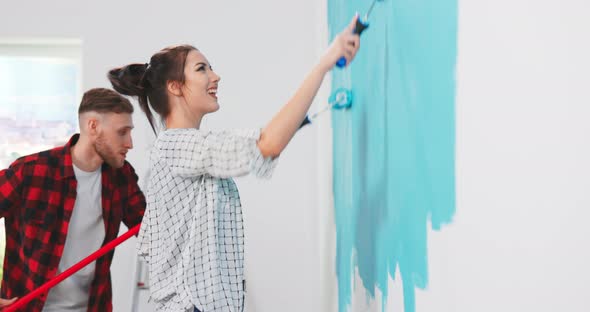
x: 192, y: 233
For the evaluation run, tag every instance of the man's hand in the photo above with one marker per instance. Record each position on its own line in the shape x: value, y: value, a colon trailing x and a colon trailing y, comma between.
x: 6, y: 302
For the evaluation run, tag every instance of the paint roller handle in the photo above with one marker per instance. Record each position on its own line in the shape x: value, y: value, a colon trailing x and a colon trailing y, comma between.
x: 306, y: 121
x: 359, y: 27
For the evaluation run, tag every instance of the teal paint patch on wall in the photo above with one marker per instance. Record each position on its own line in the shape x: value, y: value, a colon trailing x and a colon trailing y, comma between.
x: 394, y: 150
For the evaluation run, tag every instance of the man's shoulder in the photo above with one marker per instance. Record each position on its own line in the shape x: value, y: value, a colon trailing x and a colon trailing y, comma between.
x: 47, y: 157
x: 127, y: 167
x: 123, y: 173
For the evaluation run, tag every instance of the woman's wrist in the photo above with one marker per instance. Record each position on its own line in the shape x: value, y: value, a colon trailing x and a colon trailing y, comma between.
x: 323, y: 67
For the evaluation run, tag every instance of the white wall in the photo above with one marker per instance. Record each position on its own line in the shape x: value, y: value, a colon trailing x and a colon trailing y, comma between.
x: 520, y: 238
x: 262, y: 49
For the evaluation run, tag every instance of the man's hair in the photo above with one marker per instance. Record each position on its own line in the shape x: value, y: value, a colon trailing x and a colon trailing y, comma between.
x: 103, y: 100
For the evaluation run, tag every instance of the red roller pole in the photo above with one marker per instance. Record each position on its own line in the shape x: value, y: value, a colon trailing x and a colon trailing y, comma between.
x: 75, y: 268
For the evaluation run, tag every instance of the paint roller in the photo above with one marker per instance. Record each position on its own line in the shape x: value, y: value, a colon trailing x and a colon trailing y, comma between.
x: 342, y: 98
x: 359, y: 27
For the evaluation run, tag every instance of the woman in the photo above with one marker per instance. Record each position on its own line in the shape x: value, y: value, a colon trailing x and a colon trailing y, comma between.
x: 192, y: 233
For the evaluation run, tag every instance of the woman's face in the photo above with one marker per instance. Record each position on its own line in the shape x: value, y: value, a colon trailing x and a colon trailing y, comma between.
x: 200, y: 84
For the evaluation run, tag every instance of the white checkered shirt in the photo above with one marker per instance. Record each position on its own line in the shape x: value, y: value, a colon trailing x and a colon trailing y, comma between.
x: 192, y: 233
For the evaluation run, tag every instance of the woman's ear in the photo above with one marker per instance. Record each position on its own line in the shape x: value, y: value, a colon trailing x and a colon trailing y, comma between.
x: 174, y: 87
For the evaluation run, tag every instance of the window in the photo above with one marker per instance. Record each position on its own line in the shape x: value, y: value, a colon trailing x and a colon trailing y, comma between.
x: 40, y: 88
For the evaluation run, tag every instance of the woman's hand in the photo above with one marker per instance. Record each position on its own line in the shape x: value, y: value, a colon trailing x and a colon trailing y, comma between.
x: 346, y: 44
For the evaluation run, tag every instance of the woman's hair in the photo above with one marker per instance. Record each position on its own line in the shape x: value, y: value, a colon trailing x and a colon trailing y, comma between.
x: 148, y: 81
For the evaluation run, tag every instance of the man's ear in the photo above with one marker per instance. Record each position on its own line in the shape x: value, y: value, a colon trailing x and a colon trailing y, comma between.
x: 92, y: 124
x: 174, y: 87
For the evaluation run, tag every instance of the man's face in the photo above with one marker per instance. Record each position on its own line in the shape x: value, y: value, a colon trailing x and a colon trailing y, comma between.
x: 114, y: 138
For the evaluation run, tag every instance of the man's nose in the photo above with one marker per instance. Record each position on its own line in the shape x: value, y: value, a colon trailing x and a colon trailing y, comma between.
x: 129, y: 143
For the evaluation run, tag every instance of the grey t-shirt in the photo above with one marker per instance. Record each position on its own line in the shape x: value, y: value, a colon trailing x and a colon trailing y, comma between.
x: 86, y: 233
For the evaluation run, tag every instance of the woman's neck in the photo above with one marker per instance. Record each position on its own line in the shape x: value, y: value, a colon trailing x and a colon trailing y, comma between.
x: 183, y: 118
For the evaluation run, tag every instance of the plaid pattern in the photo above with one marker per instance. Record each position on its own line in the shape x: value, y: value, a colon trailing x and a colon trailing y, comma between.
x: 37, y: 195
x: 192, y: 234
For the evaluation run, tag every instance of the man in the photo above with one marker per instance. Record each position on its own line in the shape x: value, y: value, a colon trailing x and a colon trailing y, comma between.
x: 63, y: 204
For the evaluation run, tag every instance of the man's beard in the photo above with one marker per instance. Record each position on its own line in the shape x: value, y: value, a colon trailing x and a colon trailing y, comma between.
x: 106, y: 152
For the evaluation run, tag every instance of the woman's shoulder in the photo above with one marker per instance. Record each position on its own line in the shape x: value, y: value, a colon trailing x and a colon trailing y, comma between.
x: 172, y: 134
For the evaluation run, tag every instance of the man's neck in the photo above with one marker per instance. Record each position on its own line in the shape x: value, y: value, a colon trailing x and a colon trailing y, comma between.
x: 84, y: 156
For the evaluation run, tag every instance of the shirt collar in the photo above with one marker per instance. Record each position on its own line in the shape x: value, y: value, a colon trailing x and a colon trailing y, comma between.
x: 67, y: 169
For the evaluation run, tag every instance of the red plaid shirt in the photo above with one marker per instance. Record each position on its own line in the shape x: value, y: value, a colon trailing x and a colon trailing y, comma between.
x: 37, y: 195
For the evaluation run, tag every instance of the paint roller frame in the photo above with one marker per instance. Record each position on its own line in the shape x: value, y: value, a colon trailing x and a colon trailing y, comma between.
x: 340, y: 99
